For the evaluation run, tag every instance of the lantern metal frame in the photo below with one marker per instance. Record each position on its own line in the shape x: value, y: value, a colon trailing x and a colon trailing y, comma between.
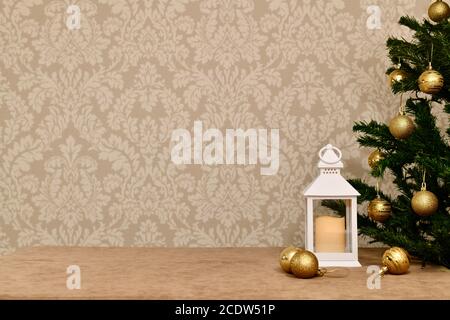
x: 330, y: 185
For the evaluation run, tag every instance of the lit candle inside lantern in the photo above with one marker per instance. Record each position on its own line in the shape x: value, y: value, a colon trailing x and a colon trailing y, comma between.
x: 330, y: 234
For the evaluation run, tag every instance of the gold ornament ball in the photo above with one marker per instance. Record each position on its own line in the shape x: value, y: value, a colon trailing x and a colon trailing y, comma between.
x: 379, y: 210
x: 374, y: 158
x: 424, y: 203
x: 397, y: 75
x: 439, y: 11
x: 395, y: 261
x: 304, y: 264
x: 431, y: 81
x: 401, y: 127
x: 286, y: 256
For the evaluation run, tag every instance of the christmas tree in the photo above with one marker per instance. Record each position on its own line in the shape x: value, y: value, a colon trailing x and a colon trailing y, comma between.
x: 412, y: 147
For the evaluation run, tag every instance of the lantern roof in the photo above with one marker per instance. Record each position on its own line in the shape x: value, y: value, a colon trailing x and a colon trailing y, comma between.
x: 330, y: 183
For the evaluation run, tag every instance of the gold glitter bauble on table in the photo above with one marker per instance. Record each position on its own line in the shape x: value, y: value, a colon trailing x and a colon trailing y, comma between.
x: 439, y: 11
x: 395, y: 261
x: 286, y: 256
x: 304, y: 264
x: 431, y: 81
x: 379, y: 209
x: 401, y: 127
x: 424, y: 203
x: 398, y: 75
x: 374, y: 158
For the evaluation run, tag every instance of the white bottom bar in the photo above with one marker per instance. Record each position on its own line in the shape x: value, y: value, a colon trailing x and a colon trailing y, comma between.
x: 337, y: 263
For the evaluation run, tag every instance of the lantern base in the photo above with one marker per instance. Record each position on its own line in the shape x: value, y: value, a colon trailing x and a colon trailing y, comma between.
x: 339, y: 263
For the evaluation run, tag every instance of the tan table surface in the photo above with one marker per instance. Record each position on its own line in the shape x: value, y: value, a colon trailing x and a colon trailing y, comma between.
x: 199, y: 273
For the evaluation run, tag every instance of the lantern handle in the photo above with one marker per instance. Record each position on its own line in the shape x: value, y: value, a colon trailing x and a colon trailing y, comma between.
x: 330, y: 147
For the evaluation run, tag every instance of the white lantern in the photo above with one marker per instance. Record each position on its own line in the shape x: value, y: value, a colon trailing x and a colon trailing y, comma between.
x: 332, y: 238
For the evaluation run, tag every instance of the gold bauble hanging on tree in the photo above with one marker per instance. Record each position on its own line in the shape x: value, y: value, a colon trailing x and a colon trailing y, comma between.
x: 395, y: 261
x: 374, y: 158
x: 304, y: 264
x: 286, y: 256
x: 398, y: 75
x: 424, y: 203
x: 431, y: 81
x: 401, y: 127
x: 379, y: 209
x: 439, y: 11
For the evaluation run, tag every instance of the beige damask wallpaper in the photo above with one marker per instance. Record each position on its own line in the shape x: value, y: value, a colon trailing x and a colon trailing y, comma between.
x: 87, y: 114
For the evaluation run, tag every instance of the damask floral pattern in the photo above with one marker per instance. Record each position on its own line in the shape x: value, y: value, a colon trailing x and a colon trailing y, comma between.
x: 86, y: 115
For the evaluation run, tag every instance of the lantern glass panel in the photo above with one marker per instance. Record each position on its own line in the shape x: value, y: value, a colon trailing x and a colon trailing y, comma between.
x: 332, y: 228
